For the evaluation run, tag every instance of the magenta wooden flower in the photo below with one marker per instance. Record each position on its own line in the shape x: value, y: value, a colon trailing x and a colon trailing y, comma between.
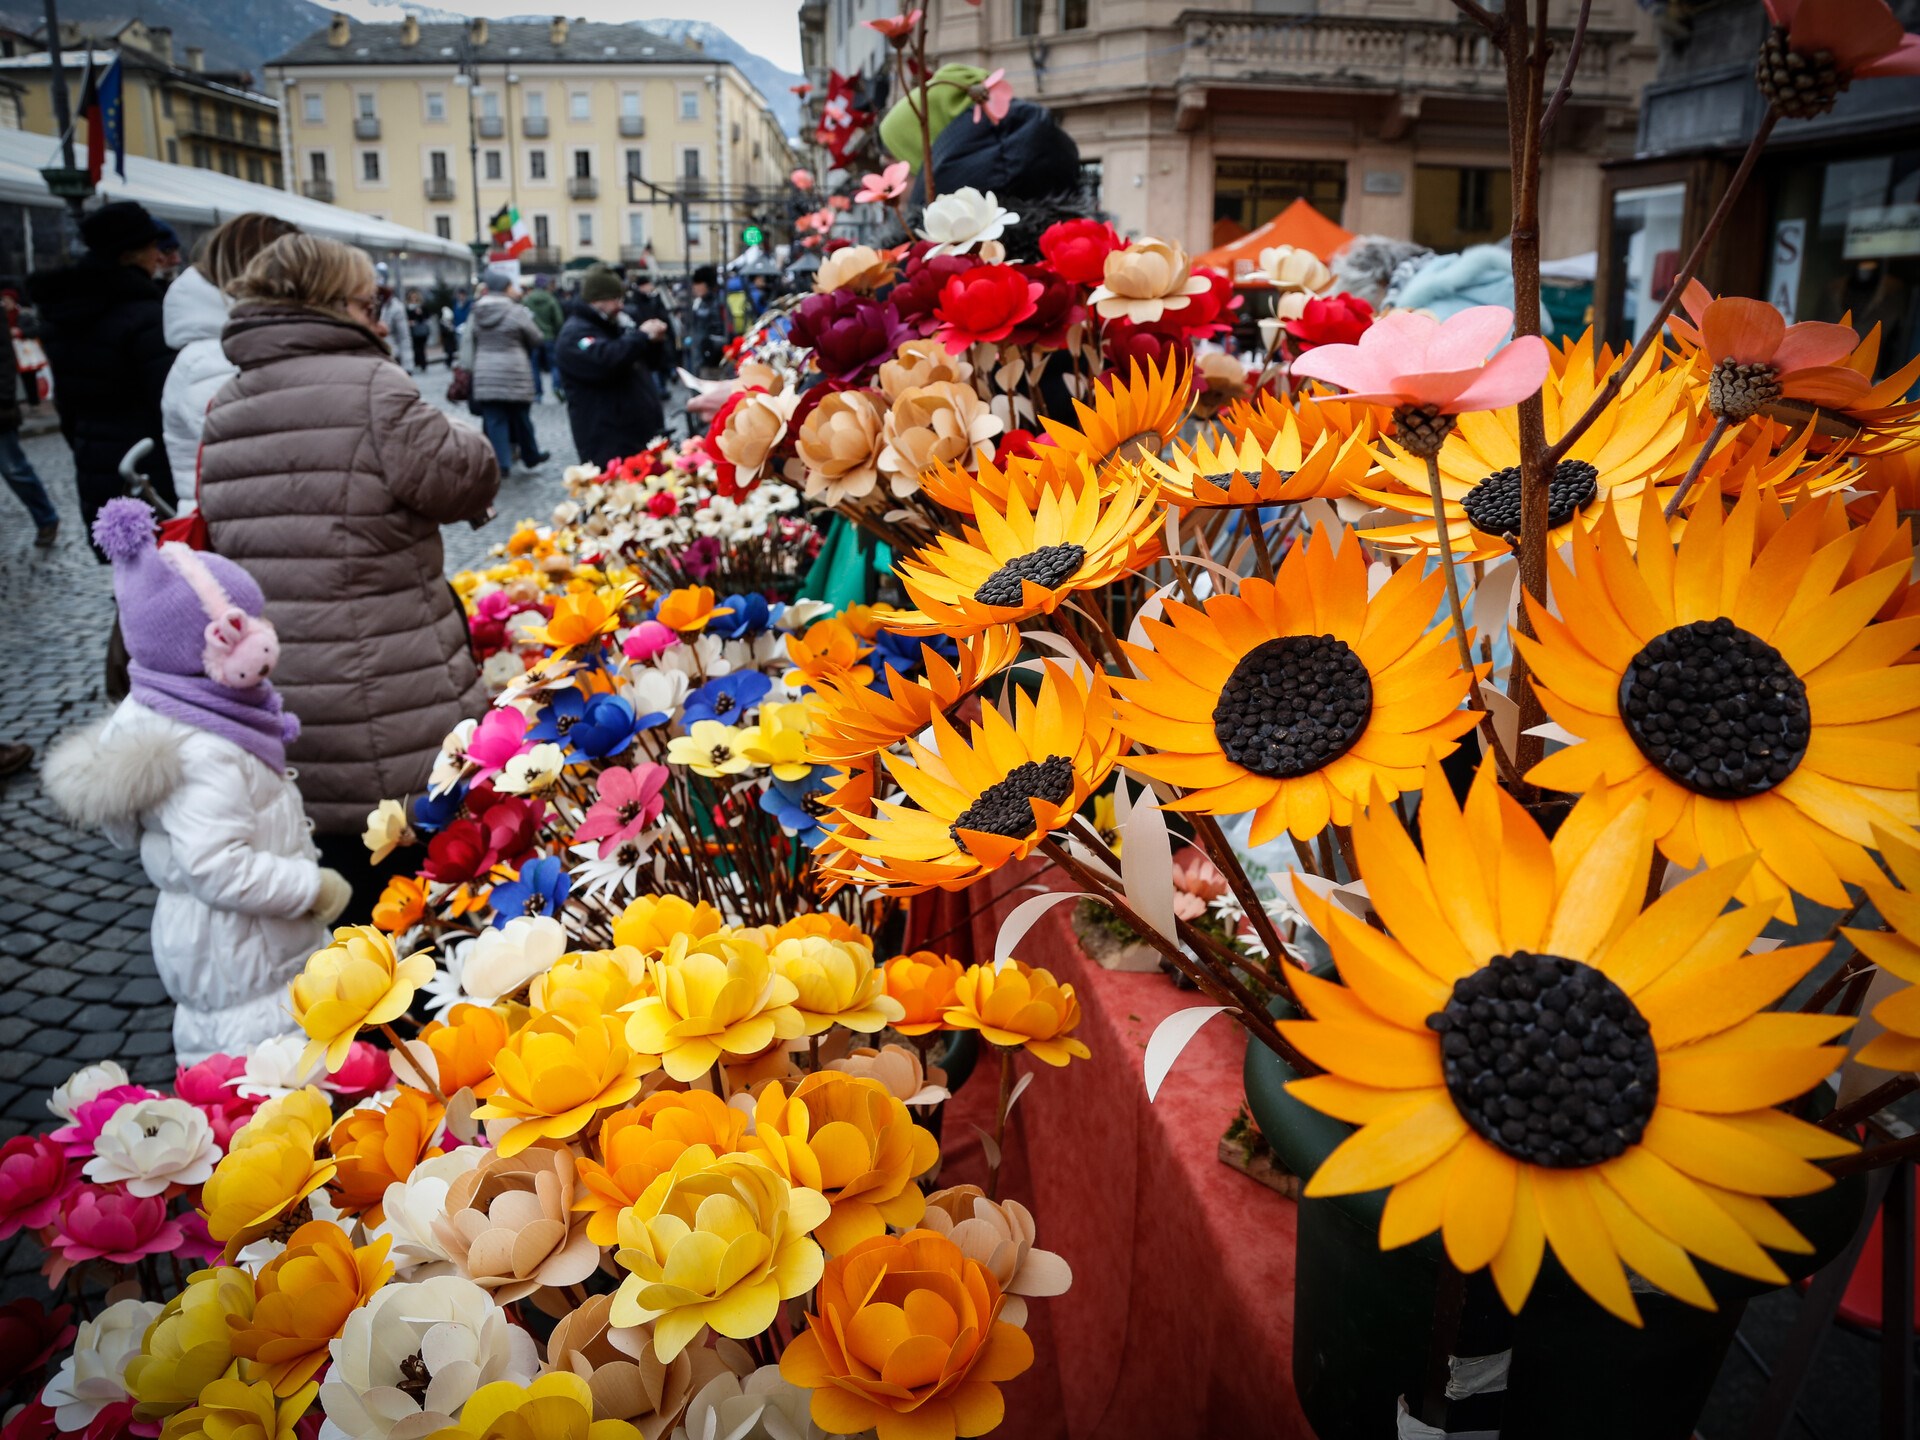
x: 33, y: 1179
x: 628, y: 801
x: 91, y: 1116
x: 1863, y: 37
x: 102, y: 1222
x: 1409, y: 359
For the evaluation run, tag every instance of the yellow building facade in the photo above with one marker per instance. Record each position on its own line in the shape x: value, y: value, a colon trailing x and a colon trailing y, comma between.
x: 438, y: 126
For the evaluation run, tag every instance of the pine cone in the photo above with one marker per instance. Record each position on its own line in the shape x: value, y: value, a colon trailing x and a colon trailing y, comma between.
x: 1737, y: 392
x: 1421, y: 429
x: 1798, y: 84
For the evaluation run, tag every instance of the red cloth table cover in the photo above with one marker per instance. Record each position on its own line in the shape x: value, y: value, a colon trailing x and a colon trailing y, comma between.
x: 1180, y: 1320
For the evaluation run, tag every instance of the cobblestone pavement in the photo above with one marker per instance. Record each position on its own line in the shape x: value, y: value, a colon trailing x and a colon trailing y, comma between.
x: 76, y: 973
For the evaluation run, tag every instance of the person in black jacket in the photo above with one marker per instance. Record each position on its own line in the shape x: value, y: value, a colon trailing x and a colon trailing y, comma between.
x: 102, y: 330
x: 644, y: 303
x: 607, y: 363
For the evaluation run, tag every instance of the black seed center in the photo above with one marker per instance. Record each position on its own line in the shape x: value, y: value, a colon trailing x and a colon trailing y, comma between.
x: 415, y: 1378
x: 722, y: 703
x: 1293, y: 705
x: 1494, y: 504
x: 1050, y: 565
x: 1718, y: 709
x: 1006, y: 806
x: 1548, y: 1060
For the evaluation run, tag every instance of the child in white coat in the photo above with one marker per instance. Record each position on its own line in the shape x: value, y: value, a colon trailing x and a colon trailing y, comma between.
x: 191, y: 769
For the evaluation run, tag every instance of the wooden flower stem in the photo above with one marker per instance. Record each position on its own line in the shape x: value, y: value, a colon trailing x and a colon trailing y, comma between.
x: 1871, y: 1103
x: 428, y: 1082
x: 1458, y: 612
x: 997, y: 1159
x: 1876, y: 1157
x: 1699, y: 464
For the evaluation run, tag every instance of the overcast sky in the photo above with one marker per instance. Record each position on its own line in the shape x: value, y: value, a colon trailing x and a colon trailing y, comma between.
x: 766, y: 27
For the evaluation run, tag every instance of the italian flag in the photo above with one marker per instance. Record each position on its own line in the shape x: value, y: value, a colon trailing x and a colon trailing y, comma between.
x: 510, y: 233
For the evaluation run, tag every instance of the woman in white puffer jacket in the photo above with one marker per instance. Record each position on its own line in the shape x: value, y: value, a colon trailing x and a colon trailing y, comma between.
x: 194, y: 314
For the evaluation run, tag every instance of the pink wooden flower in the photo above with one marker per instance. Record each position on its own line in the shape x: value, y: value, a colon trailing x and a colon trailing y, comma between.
x: 802, y: 179
x: 209, y: 1087
x: 91, y: 1116
x: 1862, y: 36
x: 366, y: 1070
x: 629, y: 800
x: 997, y: 98
x: 648, y: 639
x: 33, y: 1181
x: 1409, y: 359
x: 496, y: 740
x: 890, y: 184
x: 103, y: 1222
x: 1809, y: 359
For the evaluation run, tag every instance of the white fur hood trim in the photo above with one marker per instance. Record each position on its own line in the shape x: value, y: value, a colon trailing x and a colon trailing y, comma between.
x: 103, y: 778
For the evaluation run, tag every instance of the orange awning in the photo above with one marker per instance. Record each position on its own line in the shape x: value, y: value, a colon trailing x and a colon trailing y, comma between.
x: 1299, y: 225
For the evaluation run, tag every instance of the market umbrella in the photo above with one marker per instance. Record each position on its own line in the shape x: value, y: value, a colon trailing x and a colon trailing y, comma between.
x: 1299, y: 225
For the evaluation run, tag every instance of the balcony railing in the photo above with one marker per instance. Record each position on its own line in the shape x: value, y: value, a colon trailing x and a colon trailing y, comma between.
x: 1236, y: 50
x: 633, y: 125
x: 492, y: 127
x: 534, y: 127
x: 321, y: 190
x: 439, y: 187
x: 366, y: 127
x: 540, y: 257
x: 582, y: 187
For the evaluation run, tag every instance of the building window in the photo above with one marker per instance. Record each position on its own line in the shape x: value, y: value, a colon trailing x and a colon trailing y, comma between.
x: 173, y: 152
x: 229, y: 164
x: 536, y: 103
x: 364, y: 102
x: 256, y: 170
x: 690, y: 163
x: 637, y: 228
x: 437, y: 164
x: 1455, y: 206
x: 579, y: 105
x: 196, y: 112
x: 630, y: 104
x: 689, y: 104
x: 276, y: 176
x: 201, y: 157
x: 583, y: 164
x: 542, y: 232
x: 635, y: 163
x: 1073, y: 14
x: 316, y: 164
x: 536, y: 164
x: 313, y: 107
x: 166, y: 103
x: 583, y: 228
x: 1090, y: 178
x: 490, y: 104
x: 492, y: 161
x: 436, y: 105
x: 443, y: 226
x: 370, y: 167
x: 1252, y: 192
x: 250, y: 128
x: 223, y: 120
x: 1026, y: 17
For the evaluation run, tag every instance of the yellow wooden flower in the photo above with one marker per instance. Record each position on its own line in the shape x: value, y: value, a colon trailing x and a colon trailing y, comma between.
x: 556, y: 1075
x: 190, y: 1345
x: 848, y: 1137
x: 850, y: 719
x: 378, y: 1147
x: 717, y: 1240
x: 587, y: 983
x: 262, y: 1186
x: 1127, y: 417
x: 1019, y: 1005
x: 1897, y: 951
x: 1303, y: 451
x: 1534, y: 1059
x: 356, y: 981
x: 306, y: 1111
x: 716, y: 996
x: 838, y: 984
x: 1743, y: 682
x: 580, y: 617
x: 554, y: 1406
x: 925, y: 984
x: 302, y: 1299
x: 233, y: 1409
x: 634, y: 1147
x: 778, y: 740
x: 650, y: 921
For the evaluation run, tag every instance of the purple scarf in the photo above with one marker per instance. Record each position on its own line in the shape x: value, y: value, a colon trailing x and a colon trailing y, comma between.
x: 251, y: 719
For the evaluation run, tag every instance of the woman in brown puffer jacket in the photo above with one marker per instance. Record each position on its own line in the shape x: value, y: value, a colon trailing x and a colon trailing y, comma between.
x: 324, y: 473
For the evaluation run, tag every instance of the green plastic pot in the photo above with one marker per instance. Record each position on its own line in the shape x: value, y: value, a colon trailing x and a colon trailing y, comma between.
x: 1363, y: 1318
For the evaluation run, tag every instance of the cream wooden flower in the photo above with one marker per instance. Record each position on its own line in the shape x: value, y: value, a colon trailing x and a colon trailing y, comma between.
x: 921, y: 362
x: 840, y: 444
x: 510, y: 1225
x: 758, y: 424
x: 629, y: 1382
x: 1298, y: 275
x: 961, y: 219
x: 1000, y: 1236
x: 150, y: 1145
x: 930, y: 424
x: 504, y: 959
x: 858, y: 268
x: 1145, y: 280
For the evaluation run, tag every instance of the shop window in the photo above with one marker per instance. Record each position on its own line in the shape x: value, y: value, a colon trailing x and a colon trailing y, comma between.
x: 1251, y: 192
x: 1645, y: 251
x: 1090, y: 181
x: 1845, y: 240
x: 1455, y: 206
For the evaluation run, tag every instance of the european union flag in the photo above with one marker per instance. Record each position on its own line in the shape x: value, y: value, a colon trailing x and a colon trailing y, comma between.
x: 103, y: 107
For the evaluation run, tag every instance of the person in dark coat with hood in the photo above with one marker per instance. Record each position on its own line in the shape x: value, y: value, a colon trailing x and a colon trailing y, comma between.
x: 644, y: 303
x: 105, y: 339
x: 608, y: 369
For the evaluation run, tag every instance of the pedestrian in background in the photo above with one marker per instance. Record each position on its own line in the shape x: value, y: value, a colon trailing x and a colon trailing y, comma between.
x: 419, y: 328
x: 393, y: 315
x: 195, y: 312
x: 501, y: 338
x: 327, y: 475
x: 608, y: 364
x: 706, y: 328
x: 22, y: 478
x: 544, y: 306
x: 105, y: 338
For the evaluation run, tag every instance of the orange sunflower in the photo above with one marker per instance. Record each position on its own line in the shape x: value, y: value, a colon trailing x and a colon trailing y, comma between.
x: 1531, y: 1059
x: 850, y: 720
x: 1743, y: 684
x: 1294, y: 698
x: 1130, y: 418
x: 1294, y: 453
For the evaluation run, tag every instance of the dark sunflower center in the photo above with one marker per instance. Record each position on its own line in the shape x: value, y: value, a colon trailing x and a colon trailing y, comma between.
x: 1548, y: 1060
x: 1293, y: 705
x: 1050, y: 565
x: 1494, y: 504
x: 1717, y: 708
x: 282, y: 1229
x: 414, y: 1377
x: 1006, y: 806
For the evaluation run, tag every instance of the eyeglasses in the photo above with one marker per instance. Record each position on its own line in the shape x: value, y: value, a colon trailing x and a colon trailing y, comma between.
x: 367, y: 305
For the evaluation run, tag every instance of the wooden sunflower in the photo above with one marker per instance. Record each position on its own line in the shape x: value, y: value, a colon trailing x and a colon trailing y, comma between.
x: 975, y: 802
x: 851, y: 720
x: 1897, y: 951
x: 1295, y: 698
x: 1298, y: 452
x: 1130, y: 418
x: 1745, y: 685
x: 1534, y: 1060
x: 1018, y: 560
x: 954, y: 487
x: 1645, y: 438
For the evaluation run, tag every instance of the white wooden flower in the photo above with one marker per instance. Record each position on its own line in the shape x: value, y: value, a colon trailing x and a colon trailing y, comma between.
x: 83, y: 1085
x: 94, y: 1375
x: 504, y: 959
x: 149, y: 1145
x: 961, y: 219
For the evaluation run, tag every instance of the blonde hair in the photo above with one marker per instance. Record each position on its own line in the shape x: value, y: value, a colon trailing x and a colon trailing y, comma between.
x: 309, y: 271
x: 226, y: 250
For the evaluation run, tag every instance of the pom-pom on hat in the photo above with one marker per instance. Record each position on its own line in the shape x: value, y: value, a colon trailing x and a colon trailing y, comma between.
x: 184, y: 612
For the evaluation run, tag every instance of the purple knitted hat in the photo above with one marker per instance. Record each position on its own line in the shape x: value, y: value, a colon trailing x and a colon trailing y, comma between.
x: 162, y: 616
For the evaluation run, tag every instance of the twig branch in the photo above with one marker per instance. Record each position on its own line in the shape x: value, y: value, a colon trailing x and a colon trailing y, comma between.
x: 1484, y: 18
x: 1565, y: 88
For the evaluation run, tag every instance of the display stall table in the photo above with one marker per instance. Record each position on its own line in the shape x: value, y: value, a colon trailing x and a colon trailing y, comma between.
x: 1180, y: 1320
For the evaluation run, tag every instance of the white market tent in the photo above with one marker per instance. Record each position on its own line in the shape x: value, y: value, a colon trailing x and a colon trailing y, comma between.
x: 182, y: 195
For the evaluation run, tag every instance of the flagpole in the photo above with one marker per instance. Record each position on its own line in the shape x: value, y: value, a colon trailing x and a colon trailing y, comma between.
x: 62, y: 184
